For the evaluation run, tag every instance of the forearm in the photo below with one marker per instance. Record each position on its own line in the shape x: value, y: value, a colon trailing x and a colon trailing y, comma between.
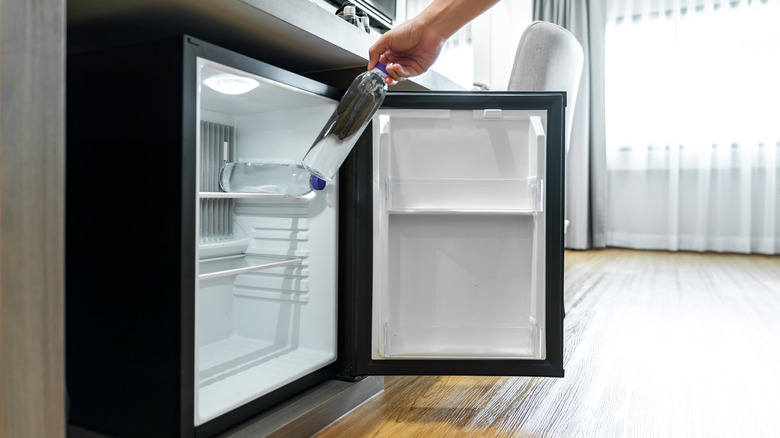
x: 445, y: 17
x: 410, y: 48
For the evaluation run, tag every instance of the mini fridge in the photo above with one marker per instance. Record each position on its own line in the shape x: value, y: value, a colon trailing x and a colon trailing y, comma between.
x: 437, y: 250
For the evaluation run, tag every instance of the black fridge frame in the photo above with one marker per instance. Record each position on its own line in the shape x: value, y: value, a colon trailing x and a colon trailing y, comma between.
x: 195, y: 48
x: 130, y: 325
x: 360, y: 258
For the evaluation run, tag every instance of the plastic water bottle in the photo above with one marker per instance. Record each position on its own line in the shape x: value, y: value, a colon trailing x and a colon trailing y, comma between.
x: 349, y: 14
x: 347, y: 122
x: 365, y: 21
x: 271, y: 178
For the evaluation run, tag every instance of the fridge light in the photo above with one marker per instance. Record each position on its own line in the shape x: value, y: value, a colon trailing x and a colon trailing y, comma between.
x: 231, y: 84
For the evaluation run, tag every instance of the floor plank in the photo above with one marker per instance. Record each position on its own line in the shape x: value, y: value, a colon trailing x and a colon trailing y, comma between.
x: 656, y: 344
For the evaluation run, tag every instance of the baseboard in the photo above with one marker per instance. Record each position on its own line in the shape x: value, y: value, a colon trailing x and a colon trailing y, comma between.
x: 301, y: 416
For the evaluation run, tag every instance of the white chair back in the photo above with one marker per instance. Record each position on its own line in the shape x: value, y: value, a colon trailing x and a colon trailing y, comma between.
x: 548, y: 58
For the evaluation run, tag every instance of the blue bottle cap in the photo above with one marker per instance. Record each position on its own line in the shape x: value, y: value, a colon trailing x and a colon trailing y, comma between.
x: 381, y: 67
x: 316, y: 183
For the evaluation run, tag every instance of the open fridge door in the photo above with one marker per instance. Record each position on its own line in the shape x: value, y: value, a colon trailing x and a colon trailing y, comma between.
x: 467, y: 225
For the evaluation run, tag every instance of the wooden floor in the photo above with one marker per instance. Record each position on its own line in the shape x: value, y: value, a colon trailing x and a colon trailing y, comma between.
x: 657, y: 344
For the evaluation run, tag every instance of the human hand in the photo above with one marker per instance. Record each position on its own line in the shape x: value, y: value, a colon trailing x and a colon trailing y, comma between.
x: 407, y: 50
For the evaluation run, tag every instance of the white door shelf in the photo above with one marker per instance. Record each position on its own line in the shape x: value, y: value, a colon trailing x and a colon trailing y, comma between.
x: 467, y: 195
x: 240, y: 264
x: 480, y: 342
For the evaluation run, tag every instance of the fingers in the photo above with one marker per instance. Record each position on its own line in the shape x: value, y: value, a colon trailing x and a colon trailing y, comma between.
x: 395, y: 72
x: 391, y: 78
x: 376, y: 51
x: 372, y: 60
x: 396, y: 50
x: 400, y: 72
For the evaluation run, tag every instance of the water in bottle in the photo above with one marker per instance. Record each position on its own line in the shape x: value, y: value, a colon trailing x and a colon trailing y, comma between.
x: 270, y: 178
x: 347, y: 122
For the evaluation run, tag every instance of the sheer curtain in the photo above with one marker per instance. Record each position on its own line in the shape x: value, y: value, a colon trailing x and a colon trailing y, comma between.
x: 693, y: 125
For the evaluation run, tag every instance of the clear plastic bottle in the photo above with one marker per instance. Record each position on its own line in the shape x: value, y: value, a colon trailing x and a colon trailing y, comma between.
x: 271, y: 178
x: 349, y: 14
x: 365, y: 22
x: 347, y: 122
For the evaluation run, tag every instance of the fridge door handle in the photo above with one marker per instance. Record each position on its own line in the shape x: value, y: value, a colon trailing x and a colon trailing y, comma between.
x: 492, y: 114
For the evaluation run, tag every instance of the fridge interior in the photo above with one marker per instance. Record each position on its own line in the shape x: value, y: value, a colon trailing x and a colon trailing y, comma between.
x: 266, y: 291
x: 459, y: 228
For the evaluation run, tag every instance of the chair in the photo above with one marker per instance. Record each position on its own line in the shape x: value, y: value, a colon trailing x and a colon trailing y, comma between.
x: 548, y: 58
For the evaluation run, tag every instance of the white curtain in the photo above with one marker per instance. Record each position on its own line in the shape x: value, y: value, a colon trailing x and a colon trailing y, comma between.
x: 693, y: 125
x: 586, y: 180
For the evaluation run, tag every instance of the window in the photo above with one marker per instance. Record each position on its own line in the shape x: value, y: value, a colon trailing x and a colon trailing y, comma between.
x: 693, y: 126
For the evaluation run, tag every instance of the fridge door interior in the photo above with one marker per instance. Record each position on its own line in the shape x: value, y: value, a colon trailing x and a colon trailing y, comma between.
x: 266, y: 295
x: 462, y: 214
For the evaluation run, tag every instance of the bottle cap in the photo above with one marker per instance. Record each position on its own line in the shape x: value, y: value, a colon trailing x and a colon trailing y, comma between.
x: 316, y: 183
x: 381, y: 67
